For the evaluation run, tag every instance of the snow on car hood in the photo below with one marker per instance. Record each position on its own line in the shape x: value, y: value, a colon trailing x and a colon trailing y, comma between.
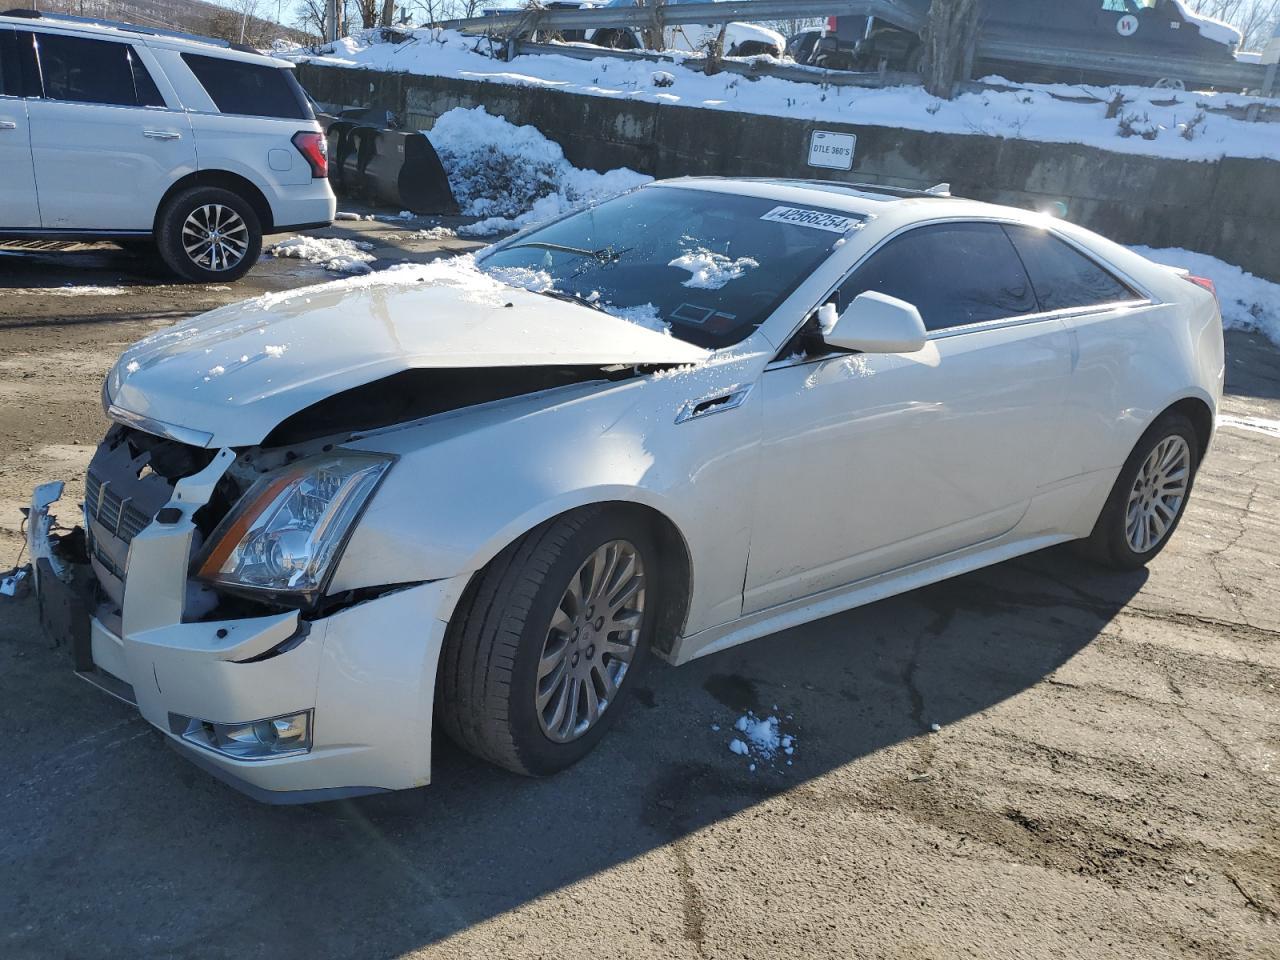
x: 227, y: 377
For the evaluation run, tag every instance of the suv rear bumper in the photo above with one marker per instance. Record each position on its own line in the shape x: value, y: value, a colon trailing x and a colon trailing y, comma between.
x: 303, y: 205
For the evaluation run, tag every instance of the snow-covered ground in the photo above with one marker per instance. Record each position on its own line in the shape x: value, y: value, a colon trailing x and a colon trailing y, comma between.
x: 513, y: 176
x: 761, y: 739
x: 1027, y: 113
x: 1248, y: 303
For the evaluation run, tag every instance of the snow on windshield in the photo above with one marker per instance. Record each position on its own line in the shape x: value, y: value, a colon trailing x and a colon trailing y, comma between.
x: 709, y: 270
x: 514, y: 176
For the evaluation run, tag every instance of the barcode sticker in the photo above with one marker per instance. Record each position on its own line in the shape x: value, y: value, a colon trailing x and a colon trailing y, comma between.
x: 816, y: 219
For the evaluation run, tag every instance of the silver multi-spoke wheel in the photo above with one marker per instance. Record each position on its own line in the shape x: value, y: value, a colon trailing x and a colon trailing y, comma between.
x: 215, y: 237
x: 591, y: 641
x: 1158, y: 493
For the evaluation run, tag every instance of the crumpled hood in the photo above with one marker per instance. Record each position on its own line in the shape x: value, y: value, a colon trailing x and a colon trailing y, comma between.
x: 229, y: 376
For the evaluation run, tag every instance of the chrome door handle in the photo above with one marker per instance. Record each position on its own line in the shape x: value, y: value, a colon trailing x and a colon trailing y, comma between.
x: 8, y: 125
x: 162, y: 134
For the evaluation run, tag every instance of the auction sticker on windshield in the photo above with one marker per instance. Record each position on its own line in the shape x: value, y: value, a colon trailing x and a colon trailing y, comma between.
x: 817, y: 219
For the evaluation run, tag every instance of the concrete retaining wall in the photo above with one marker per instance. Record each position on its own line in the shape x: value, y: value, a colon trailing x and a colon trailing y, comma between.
x: 1229, y: 208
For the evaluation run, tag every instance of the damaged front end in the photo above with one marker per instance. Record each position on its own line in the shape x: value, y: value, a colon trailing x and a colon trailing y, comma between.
x: 195, y: 589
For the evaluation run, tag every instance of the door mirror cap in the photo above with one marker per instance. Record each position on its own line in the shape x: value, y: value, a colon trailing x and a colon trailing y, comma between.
x: 876, y: 323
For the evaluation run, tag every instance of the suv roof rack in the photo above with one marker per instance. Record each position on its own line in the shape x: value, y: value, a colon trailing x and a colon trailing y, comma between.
x: 126, y: 28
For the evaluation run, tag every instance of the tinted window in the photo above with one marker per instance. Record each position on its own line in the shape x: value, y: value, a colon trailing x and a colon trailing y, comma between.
x: 1062, y: 276
x: 88, y: 71
x: 710, y: 267
x: 147, y: 92
x: 250, y: 89
x: 954, y: 273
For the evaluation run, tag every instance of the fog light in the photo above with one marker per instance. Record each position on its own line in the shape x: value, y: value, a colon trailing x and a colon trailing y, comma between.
x: 255, y: 740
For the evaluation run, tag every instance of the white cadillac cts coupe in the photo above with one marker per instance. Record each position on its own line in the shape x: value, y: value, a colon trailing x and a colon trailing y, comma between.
x: 485, y: 492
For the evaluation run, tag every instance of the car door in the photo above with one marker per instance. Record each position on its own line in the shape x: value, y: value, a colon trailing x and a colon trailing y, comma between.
x: 873, y: 462
x: 106, y: 146
x: 19, y: 208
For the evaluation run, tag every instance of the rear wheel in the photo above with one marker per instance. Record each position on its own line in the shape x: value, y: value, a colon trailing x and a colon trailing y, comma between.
x: 209, y: 235
x: 1149, y: 496
x: 548, y: 639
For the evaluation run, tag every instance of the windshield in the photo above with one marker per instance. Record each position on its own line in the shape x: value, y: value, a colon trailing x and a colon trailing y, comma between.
x: 710, y: 267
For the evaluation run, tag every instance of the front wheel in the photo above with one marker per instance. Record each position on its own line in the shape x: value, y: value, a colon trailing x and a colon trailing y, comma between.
x: 1149, y: 496
x: 547, y: 641
x: 209, y: 235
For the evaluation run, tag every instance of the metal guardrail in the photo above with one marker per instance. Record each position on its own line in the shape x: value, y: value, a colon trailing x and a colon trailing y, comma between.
x: 742, y: 67
x: 1143, y: 68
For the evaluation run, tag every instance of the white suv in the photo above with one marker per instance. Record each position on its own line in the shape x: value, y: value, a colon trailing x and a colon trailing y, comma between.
x: 141, y: 136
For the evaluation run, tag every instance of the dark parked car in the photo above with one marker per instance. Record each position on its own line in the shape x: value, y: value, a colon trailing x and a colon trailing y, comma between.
x: 1146, y: 27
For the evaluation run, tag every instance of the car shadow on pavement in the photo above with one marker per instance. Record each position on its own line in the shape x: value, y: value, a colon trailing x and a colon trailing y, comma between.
x: 151, y: 851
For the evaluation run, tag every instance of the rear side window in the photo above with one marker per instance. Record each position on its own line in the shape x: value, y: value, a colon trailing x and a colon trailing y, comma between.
x: 250, y: 89
x: 954, y: 273
x: 81, y: 70
x: 1062, y: 276
x: 18, y: 75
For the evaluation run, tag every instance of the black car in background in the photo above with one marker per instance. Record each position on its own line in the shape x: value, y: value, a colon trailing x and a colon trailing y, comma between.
x: 1152, y: 28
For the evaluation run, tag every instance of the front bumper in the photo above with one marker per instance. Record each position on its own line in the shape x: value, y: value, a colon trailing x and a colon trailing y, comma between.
x: 367, y: 671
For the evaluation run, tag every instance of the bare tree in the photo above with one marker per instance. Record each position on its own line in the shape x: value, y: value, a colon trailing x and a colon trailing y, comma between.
x: 949, y: 39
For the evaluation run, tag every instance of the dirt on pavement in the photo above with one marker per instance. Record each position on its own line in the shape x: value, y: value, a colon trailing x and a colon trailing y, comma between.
x: 1036, y: 760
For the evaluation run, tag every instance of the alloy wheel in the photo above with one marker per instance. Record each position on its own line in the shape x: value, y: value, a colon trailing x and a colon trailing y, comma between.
x: 591, y: 641
x: 1158, y: 493
x: 215, y: 237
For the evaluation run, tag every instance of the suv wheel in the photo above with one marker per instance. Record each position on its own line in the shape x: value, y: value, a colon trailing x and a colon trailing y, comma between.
x: 1149, y: 496
x: 209, y: 235
x: 547, y: 640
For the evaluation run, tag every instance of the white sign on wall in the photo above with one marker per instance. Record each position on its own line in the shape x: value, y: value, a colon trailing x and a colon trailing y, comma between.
x: 832, y: 150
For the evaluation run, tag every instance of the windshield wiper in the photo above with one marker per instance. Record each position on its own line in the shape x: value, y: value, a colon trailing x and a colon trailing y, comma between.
x: 603, y: 255
x: 573, y: 298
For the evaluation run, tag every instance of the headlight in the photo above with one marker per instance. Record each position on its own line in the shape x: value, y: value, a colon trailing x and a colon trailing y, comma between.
x: 286, y: 533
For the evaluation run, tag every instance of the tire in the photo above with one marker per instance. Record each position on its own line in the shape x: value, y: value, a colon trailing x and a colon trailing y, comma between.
x: 209, y: 211
x: 1117, y: 541
x: 489, y: 682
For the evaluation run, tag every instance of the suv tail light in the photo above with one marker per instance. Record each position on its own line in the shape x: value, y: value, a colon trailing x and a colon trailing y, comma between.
x: 831, y: 25
x: 1202, y: 282
x: 313, y: 148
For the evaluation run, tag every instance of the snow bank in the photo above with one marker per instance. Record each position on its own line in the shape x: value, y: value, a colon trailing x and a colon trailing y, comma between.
x: 1026, y: 113
x: 514, y: 176
x: 1248, y: 303
x: 340, y: 256
x: 1210, y: 28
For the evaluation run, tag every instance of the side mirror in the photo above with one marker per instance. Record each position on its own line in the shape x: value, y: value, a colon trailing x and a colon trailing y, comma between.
x: 874, y: 323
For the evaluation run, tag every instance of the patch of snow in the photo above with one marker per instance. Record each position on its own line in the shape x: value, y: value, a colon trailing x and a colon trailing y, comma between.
x: 1249, y: 303
x: 337, y: 255
x: 438, y: 233
x: 709, y: 270
x: 1210, y: 28
x: 738, y: 747
x: 1027, y: 111
x: 274, y: 350
x: 1269, y: 428
x: 78, y: 291
x: 514, y: 176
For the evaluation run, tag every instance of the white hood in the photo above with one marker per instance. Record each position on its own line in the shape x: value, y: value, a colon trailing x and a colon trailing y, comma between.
x: 233, y: 374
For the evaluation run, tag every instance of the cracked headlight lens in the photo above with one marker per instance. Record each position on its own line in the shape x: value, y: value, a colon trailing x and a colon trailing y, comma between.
x: 285, y: 535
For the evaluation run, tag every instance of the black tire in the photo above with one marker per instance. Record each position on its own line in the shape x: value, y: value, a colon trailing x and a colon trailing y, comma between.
x: 487, y: 680
x: 169, y: 234
x: 1108, y: 544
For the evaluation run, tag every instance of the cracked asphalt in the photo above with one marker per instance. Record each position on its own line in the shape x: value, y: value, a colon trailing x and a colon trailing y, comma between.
x: 1036, y: 760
